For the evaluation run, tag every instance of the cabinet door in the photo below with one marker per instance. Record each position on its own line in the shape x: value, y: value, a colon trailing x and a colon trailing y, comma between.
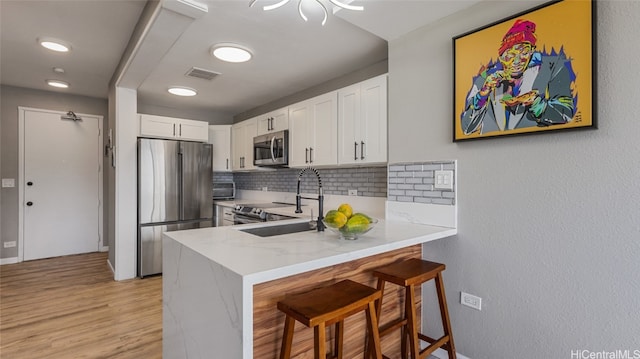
x: 373, y: 120
x: 349, y: 124
x: 323, y: 146
x: 299, y: 134
x: 264, y: 124
x: 237, y: 143
x: 251, y: 131
x: 220, y: 139
x: 362, y: 122
x: 279, y: 119
x: 190, y: 130
x: 157, y: 126
x: 274, y: 121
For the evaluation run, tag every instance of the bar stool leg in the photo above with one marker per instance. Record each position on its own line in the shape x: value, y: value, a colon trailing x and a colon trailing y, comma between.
x: 378, y: 308
x: 339, y: 339
x: 287, y: 338
x: 372, y: 327
x: 410, y: 314
x: 444, y: 313
x: 320, y: 336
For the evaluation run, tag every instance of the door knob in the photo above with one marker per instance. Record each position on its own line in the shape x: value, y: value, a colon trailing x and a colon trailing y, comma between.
x: 29, y: 203
x: 29, y: 183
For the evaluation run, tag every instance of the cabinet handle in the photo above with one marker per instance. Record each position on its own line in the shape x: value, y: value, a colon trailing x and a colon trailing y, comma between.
x: 306, y: 155
x: 174, y: 129
x: 270, y: 123
x: 227, y: 163
x: 362, y: 150
x: 355, y: 150
x: 310, y: 154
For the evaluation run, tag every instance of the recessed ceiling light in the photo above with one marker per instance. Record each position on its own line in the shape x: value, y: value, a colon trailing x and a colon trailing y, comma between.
x: 55, y: 45
x: 58, y: 83
x: 231, y: 52
x: 58, y: 70
x: 182, y: 91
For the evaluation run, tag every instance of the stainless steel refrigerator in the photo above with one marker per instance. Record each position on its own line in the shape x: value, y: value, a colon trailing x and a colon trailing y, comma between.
x: 174, y: 193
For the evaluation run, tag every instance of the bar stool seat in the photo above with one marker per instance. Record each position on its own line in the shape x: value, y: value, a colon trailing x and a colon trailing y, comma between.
x: 323, y: 307
x: 409, y: 274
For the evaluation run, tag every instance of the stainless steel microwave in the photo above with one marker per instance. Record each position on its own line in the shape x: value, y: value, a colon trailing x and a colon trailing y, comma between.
x: 271, y: 149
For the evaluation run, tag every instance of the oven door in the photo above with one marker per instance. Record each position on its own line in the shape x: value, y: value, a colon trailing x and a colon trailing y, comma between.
x: 271, y: 149
x: 240, y: 218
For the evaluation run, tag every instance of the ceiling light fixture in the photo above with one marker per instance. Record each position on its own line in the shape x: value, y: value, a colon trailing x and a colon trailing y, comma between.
x: 182, y: 91
x: 54, y: 45
x: 58, y: 84
x: 230, y: 52
x: 337, y: 3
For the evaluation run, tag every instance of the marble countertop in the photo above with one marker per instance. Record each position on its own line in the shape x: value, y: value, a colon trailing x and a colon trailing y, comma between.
x: 261, y: 259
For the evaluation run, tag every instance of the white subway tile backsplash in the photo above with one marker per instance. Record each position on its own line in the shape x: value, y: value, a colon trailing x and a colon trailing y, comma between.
x: 413, y: 182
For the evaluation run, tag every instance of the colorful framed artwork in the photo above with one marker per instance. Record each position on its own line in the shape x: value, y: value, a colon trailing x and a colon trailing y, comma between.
x: 533, y: 72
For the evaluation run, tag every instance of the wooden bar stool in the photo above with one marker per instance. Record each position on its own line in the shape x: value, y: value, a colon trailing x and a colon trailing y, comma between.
x: 409, y: 274
x: 323, y: 307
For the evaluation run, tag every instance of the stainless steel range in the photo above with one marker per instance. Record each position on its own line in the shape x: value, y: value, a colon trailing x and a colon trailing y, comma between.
x: 252, y: 213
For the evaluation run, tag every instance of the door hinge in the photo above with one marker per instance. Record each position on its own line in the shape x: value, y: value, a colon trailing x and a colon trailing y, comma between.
x: 98, y: 132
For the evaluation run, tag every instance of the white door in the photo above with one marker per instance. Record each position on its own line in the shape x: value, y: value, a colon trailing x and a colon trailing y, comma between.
x: 61, y: 184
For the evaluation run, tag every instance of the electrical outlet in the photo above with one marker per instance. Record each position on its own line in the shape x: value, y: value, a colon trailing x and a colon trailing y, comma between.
x: 471, y: 301
x: 353, y: 192
x: 264, y: 189
x: 443, y: 180
x: 10, y: 244
x: 8, y: 182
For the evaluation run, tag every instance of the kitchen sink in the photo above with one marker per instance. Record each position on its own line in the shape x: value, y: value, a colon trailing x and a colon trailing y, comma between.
x: 279, y: 229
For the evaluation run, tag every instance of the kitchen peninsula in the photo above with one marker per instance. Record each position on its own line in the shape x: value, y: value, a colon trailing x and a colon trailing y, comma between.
x: 220, y: 285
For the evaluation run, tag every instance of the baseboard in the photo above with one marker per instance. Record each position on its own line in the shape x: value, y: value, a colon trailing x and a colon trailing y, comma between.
x: 442, y: 354
x: 111, y: 267
x: 104, y: 249
x: 11, y: 260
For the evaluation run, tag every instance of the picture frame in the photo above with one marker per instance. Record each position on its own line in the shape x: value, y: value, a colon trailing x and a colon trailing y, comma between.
x: 530, y: 73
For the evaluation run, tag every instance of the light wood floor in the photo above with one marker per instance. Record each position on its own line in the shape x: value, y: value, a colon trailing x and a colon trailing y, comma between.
x: 70, y: 307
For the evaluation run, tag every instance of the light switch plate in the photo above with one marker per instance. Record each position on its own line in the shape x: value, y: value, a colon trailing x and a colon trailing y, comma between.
x: 8, y: 182
x: 443, y: 180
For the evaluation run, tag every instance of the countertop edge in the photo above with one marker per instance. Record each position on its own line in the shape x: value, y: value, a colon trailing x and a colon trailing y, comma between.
x: 298, y: 268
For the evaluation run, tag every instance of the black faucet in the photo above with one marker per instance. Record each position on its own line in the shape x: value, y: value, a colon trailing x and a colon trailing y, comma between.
x: 320, y: 198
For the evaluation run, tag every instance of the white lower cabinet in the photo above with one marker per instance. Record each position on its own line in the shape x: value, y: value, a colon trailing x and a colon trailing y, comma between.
x: 313, y: 131
x: 242, y: 134
x: 173, y: 128
x: 220, y: 139
x: 362, y: 122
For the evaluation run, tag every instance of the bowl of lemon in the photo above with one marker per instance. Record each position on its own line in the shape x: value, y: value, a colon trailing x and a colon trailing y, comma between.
x: 347, y: 224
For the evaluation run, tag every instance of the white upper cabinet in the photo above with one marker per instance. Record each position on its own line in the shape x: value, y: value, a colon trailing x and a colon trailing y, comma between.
x: 274, y: 121
x: 173, y: 128
x: 220, y: 139
x: 362, y: 122
x: 313, y: 130
x: 242, y: 134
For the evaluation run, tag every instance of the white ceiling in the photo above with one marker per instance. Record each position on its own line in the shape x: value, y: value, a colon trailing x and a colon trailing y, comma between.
x: 289, y: 54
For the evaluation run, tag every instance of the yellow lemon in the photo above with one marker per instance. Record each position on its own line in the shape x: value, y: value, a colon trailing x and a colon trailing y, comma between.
x: 335, y: 219
x: 346, y: 209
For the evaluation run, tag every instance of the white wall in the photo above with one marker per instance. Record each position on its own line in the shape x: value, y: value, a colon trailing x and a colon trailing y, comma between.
x: 549, y: 234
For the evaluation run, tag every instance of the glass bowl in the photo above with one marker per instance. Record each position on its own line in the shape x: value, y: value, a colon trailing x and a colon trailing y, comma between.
x: 354, y: 233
